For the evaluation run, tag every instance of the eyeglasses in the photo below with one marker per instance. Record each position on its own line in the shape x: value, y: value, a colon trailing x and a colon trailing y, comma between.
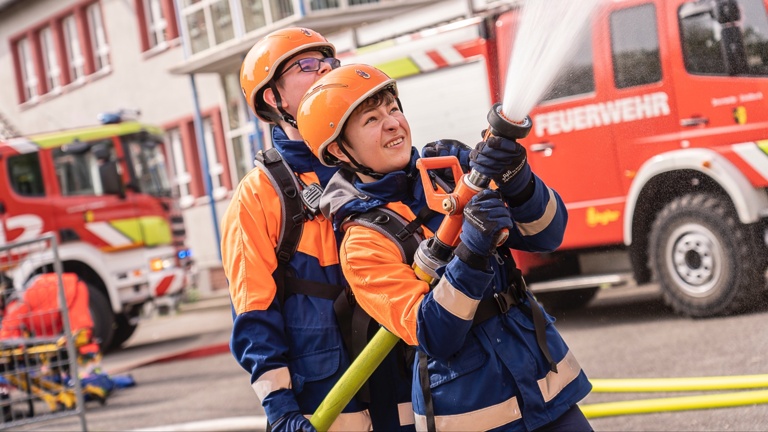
x: 311, y: 64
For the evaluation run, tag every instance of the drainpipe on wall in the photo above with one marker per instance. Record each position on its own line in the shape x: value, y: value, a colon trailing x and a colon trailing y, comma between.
x: 199, y: 135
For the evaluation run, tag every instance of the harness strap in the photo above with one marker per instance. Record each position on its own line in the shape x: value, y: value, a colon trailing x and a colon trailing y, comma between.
x: 311, y: 288
x: 534, y: 311
x: 393, y: 226
x: 490, y: 307
x: 429, y: 408
x: 414, y: 226
x: 284, y: 182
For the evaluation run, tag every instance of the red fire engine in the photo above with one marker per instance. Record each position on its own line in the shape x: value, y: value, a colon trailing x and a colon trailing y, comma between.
x: 655, y: 135
x: 104, y: 191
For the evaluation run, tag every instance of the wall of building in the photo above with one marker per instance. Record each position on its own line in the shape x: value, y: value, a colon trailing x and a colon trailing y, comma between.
x: 141, y: 80
x: 135, y: 80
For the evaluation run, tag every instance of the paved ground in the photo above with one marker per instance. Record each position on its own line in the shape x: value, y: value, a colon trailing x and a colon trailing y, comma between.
x: 187, y: 380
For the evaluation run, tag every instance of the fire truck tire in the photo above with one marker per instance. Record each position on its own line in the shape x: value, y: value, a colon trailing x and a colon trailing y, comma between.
x: 706, y: 261
x: 103, y: 317
x: 567, y: 300
x: 123, y: 330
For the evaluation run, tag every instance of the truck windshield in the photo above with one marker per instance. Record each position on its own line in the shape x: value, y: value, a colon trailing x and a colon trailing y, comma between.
x: 148, y: 164
x: 717, y: 41
x: 77, y: 167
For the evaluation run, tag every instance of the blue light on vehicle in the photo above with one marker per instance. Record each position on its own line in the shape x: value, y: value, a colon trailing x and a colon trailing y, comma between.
x: 118, y: 116
x: 185, y: 253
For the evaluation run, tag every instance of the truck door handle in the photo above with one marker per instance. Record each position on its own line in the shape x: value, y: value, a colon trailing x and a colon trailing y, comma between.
x: 693, y: 121
x: 540, y: 147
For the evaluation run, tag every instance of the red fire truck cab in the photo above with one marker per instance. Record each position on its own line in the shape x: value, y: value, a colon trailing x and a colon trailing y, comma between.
x: 656, y: 137
x: 104, y: 192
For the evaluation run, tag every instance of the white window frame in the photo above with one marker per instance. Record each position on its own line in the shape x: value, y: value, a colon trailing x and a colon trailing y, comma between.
x: 215, y: 168
x: 50, y: 60
x: 244, y: 130
x: 28, y: 74
x: 156, y: 23
x: 188, y: 9
x: 75, y: 57
x: 182, y: 178
x: 98, y: 38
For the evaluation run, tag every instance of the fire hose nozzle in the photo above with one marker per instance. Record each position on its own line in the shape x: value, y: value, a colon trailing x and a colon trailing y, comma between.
x: 503, y: 127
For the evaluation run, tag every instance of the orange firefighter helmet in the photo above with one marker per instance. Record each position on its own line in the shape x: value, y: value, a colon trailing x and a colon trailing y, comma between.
x: 330, y: 101
x: 266, y: 57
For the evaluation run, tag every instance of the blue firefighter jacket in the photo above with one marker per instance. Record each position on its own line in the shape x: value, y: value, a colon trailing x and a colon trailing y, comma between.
x: 490, y: 376
x: 294, y: 351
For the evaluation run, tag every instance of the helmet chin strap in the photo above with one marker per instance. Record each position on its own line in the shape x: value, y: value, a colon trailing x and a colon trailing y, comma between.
x: 284, y: 114
x: 356, y: 166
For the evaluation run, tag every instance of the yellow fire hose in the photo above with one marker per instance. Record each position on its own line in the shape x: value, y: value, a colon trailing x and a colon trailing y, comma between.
x: 644, y: 406
x: 353, y: 379
x: 641, y: 385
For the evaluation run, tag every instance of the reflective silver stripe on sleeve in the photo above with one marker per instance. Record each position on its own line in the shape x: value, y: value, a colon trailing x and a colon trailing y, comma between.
x: 356, y: 421
x: 405, y: 412
x: 454, y: 301
x: 269, y: 381
x: 567, y: 370
x: 483, y: 419
x: 539, y: 225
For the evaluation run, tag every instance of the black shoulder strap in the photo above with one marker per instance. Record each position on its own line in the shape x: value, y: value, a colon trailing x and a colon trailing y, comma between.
x: 406, y: 235
x: 284, y: 181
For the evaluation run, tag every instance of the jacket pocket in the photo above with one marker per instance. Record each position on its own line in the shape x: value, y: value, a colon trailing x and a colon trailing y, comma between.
x: 468, y: 359
x: 314, y: 366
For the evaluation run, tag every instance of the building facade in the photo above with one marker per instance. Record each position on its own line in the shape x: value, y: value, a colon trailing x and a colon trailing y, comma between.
x: 65, y: 61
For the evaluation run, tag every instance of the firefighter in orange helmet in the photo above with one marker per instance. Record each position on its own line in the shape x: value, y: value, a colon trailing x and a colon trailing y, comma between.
x: 281, y: 258
x: 489, y: 357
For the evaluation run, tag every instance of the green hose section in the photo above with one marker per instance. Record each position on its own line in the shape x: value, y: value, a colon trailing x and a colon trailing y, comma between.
x: 353, y: 379
x: 645, y: 406
x: 641, y: 385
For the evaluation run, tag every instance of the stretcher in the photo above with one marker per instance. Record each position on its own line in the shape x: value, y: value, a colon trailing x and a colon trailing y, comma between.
x: 40, y: 369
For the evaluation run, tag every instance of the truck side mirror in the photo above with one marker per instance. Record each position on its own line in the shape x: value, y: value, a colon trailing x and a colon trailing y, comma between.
x: 727, y: 11
x: 110, y: 179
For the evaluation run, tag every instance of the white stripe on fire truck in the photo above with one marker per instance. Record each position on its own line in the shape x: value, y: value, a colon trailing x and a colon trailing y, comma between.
x: 447, y: 53
x: 753, y: 156
x: 422, y: 60
x: 108, y: 234
x: 451, y: 55
x: 23, y: 145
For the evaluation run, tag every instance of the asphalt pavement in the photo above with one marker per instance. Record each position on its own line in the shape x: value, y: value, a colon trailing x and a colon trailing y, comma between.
x: 186, y: 378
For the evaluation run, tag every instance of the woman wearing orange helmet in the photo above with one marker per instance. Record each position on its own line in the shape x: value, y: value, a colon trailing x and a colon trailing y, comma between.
x: 484, y: 363
x: 286, y: 333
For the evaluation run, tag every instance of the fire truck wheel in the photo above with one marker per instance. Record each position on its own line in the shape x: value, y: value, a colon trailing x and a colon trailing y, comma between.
x: 103, y: 317
x: 123, y: 330
x: 706, y: 261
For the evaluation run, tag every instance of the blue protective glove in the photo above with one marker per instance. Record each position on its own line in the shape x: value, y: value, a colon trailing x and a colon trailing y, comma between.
x: 448, y: 147
x: 505, y: 162
x: 293, y: 422
x: 484, y: 217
